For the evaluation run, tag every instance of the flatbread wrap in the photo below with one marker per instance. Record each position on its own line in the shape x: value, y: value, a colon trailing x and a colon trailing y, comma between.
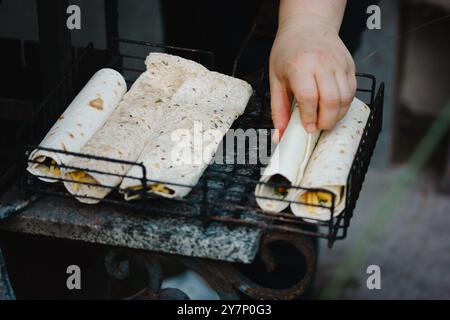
x: 88, y: 111
x: 129, y: 128
x: 329, y: 166
x: 286, y: 166
x: 204, y: 107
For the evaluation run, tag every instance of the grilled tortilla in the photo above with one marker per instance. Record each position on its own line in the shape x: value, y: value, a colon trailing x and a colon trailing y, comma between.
x: 204, y: 107
x: 129, y: 128
x: 79, y: 122
x: 286, y: 166
x: 330, y: 164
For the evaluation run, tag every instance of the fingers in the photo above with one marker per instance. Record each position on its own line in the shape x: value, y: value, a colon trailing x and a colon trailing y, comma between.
x: 280, y: 105
x: 345, y: 91
x: 304, y: 87
x: 329, y: 101
x: 323, y: 91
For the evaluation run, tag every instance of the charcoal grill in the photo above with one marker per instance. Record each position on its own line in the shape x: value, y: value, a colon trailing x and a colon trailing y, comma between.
x: 219, y: 220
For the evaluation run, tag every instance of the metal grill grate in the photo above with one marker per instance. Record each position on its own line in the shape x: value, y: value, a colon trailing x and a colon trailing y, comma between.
x: 225, y: 193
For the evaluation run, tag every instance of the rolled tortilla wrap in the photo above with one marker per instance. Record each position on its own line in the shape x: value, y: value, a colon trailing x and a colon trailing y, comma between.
x: 200, y: 114
x: 133, y: 123
x: 286, y: 166
x: 330, y: 165
x: 82, y: 118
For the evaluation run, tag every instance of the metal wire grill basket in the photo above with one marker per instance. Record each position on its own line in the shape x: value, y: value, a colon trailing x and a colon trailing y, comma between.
x: 225, y: 192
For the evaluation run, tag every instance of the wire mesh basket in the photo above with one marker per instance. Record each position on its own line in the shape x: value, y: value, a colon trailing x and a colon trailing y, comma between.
x: 225, y: 192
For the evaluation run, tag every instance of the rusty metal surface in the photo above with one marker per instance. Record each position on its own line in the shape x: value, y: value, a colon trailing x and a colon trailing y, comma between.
x: 228, y: 280
x: 108, y: 224
x: 251, y: 288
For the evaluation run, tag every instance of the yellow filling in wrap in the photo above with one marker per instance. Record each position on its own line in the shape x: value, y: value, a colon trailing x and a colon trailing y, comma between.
x: 49, y: 166
x: 317, y: 198
x: 80, y: 176
x: 160, y: 188
x: 157, y: 187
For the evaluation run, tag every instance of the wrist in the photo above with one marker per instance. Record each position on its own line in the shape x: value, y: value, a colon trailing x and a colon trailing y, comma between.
x: 303, y: 21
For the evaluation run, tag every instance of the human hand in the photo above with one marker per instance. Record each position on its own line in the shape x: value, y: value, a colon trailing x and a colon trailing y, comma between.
x: 310, y: 62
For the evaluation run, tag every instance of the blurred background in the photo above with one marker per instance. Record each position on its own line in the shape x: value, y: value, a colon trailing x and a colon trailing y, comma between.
x: 401, y: 222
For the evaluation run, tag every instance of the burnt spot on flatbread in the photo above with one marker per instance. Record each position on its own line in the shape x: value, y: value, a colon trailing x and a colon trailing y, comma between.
x: 63, y: 146
x: 79, y: 125
x: 60, y: 118
x: 82, y: 134
x: 71, y: 135
x: 97, y: 103
x: 119, y: 84
x: 341, y: 151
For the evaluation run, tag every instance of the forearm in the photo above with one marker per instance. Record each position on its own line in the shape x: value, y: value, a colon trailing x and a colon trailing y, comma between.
x: 323, y: 12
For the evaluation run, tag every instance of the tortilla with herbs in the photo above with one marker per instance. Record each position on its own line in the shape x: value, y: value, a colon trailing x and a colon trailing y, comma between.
x: 330, y: 164
x: 205, y: 107
x: 129, y: 128
x: 286, y: 166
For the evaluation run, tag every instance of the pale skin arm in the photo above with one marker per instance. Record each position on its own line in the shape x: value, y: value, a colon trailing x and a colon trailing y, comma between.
x: 310, y: 62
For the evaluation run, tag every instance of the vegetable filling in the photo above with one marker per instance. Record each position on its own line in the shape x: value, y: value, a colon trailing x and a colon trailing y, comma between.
x: 318, y: 198
x: 48, y: 166
x: 157, y: 187
x: 280, y: 187
x: 82, y: 177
